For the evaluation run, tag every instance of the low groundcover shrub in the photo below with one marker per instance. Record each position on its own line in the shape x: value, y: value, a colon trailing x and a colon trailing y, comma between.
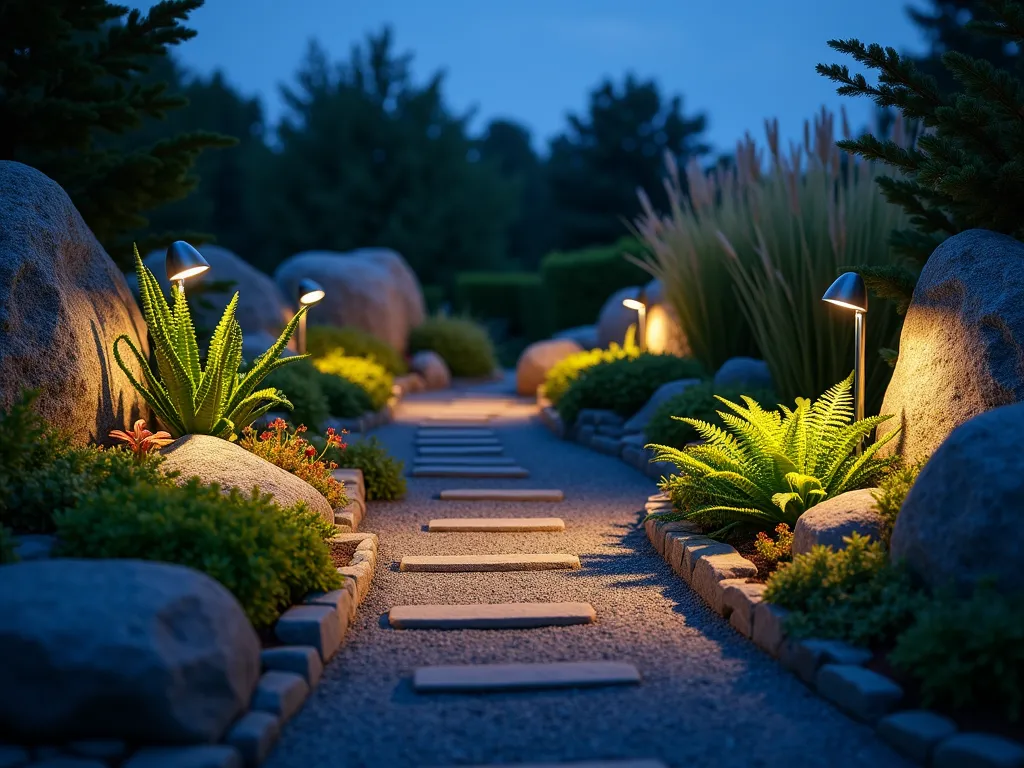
x: 369, y: 376
x: 566, y: 371
x: 667, y: 425
x: 382, y: 473
x: 624, y: 385
x: 322, y: 340
x: 463, y: 344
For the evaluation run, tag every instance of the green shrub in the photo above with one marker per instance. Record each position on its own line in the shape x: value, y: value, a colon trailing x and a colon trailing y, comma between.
x: 769, y: 467
x: 345, y: 400
x: 891, y: 493
x: 463, y: 344
x: 368, y: 375
x: 40, y: 473
x: 967, y: 654
x: 220, y: 400
x: 566, y: 371
x: 300, y: 383
x: 382, y: 473
x: 321, y: 340
x: 667, y: 427
x: 7, y: 555
x: 624, y: 385
x: 516, y: 297
x: 853, y: 594
x: 577, y: 283
x: 267, y: 557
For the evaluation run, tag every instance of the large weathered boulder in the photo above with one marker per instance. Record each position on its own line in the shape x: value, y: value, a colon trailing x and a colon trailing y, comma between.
x: 432, y: 367
x: 217, y: 461
x: 121, y: 649
x: 744, y: 373
x: 62, y: 304
x: 262, y: 310
x: 372, y: 289
x: 665, y: 334
x: 614, y: 320
x: 962, y: 345
x: 584, y: 335
x: 960, y: 523
x: 539, y: 358
x: 829, y: 522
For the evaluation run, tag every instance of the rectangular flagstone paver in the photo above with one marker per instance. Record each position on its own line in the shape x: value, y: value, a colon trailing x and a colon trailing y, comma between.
x: 455, y: 432
x: 441, y: 470
x: 491, y: 616
x: 590, y: 764
x: 459, y: 450
x: 423, y: 441
x: 502, y: 494
x: 512, y: 677
x: 494, y: 524
x: 468, y: 461
x: 458, y: 422
x: 474, y: 563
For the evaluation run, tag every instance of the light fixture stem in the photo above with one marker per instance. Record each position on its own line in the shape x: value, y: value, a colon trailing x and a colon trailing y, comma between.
x: 300, y: 341
x: 642, y: 328
x: 859, y: 369
x: 181, y: 286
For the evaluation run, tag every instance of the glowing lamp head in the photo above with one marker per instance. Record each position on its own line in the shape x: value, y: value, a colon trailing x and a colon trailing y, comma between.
x: 183, y: 261
x: 633, y: 304
x: 848, y: 291
x: 310, y: 292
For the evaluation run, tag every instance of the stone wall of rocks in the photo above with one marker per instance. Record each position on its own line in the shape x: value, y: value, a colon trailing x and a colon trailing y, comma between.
x: 834, y: 669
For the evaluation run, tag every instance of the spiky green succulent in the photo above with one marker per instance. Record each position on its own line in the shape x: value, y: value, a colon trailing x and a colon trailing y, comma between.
x: 220, y: 400
x: 769, y: 467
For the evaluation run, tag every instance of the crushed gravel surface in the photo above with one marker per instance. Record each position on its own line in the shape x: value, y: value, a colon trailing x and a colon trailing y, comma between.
x: 708, y: 698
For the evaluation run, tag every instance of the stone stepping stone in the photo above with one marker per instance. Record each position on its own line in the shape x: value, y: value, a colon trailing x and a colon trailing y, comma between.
x: 446, y: 441
x: 456, y: 421
x: 468, y: 461
x: 494, y: 524
x: 443, y: 470
x: 455, y: 432
x: 459, y: 450
x: 502, y: 494
x: 491, y: 616
x: 487, y: 563
x: 482, y: 678
x: 589, y: 764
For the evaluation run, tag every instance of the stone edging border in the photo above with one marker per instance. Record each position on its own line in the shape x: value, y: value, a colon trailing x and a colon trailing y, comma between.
x: 311, y: 633
x: 602, y: 431
x: 834, y: 669
x: 350, y: 516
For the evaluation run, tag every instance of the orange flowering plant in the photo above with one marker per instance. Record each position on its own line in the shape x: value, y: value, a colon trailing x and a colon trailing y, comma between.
x: 291, y: 452
x: 141, y: 440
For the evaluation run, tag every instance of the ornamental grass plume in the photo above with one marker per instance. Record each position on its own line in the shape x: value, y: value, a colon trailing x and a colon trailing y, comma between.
x: 770, y: 235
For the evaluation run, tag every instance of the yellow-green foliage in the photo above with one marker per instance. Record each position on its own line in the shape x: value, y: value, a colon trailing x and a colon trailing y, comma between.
x: 322, y: 340
x: 370, y: 376
x: 566, y: 371
x: 771, y: 241
x: 463, y: 344
x: 891, y: 493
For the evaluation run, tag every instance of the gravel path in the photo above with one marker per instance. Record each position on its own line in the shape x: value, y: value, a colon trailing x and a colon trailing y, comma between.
x: 709, y: 697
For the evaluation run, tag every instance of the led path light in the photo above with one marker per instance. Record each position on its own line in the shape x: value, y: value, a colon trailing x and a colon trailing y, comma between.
x: 848, y: 291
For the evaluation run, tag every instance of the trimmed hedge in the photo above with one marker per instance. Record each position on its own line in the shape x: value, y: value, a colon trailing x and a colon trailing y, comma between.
x: 516, y: 297
x: 578, y: 283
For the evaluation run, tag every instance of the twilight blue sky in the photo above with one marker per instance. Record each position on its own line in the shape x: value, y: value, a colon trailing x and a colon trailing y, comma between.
x: 739, y: 61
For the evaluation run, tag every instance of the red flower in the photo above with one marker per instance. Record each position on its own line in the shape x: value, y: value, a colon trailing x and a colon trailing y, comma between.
x: 266, y: 435
x: 278, y: 423
x: 310, y: 452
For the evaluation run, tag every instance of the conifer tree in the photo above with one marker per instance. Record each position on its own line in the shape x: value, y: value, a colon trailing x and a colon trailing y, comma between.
x: 967, y: 168
x: 69, y: 81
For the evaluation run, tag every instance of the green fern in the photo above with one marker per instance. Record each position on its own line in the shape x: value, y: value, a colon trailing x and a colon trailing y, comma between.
x: 219, y: 400
x: 769, y: 467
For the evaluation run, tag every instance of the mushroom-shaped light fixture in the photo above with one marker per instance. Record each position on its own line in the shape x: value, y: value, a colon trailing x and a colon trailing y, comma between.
x: 848, y: 291
x: 182, y: 262
x: 640, y: 306
x: 310, y: 292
